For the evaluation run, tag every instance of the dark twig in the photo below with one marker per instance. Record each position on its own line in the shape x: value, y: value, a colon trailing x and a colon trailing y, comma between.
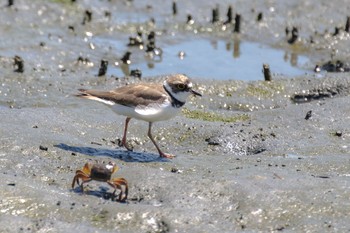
x: 237, y: 28
x: 103, y: 67
x: 267, y: 72
x: 215, y: 15
x: 174, y: 7
x: 347, y: 25
x: 19, y: 64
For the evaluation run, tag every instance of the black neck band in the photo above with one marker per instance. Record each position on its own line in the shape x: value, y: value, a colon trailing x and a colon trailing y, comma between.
x: 174, y: 102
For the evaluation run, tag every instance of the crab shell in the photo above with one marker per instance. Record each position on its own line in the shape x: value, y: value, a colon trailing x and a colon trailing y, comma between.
x: 102, y: 173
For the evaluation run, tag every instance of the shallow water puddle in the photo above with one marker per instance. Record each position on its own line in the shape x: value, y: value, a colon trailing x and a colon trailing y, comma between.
x: 215, y: 59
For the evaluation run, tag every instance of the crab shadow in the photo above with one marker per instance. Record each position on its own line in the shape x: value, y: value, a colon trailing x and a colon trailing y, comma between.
x: 103, y: 192
x: 126, y: 156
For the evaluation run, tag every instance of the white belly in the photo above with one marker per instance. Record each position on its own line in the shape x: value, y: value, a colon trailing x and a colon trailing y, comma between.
x: 152, y: 113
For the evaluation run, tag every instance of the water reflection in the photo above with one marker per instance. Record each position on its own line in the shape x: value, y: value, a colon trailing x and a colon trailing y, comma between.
x: 215, y: 59
x: 292, y: 58
x: 125, y: 69
x: 236, y: 50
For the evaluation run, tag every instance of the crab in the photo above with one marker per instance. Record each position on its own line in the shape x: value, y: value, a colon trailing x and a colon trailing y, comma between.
x: 101, y: 172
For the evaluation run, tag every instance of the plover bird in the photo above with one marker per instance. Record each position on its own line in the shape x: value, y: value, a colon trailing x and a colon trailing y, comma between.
x: 149, y: 102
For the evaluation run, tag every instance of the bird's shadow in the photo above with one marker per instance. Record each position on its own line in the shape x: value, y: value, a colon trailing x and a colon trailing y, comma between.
x: 126, y: 156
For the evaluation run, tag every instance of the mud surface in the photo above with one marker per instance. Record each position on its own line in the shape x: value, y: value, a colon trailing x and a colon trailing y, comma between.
x: 251, y: 156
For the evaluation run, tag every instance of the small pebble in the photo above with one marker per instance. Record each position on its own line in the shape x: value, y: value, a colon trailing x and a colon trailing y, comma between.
x: 136, y: 73
x: 295, y: 35
x: 126, y: 58
x: 43, y: 148
x: 259, y: 17
x: 338, y: 133
x: 308, y: 115
x: 87, y: 17
x: 181, y: 55
x: 18, y: 64
x: 174, y: 170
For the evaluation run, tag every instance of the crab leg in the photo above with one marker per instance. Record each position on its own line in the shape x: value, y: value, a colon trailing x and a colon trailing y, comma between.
x: 80, y: 175
x: 117, y: 183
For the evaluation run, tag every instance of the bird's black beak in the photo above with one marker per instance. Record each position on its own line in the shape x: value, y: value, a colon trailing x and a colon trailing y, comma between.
x: 195, y: 93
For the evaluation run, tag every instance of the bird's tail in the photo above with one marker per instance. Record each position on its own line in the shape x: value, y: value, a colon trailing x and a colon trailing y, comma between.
x: 94, y: 95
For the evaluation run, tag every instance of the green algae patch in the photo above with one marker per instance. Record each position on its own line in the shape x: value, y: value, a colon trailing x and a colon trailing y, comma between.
x: 100, y: 218
x: 62, y: 1
x: 210, y: 116
x: 265, y: 89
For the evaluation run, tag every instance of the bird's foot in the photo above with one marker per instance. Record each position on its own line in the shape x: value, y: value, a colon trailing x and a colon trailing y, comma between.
x: 168, y: 156
x: 123, y: 143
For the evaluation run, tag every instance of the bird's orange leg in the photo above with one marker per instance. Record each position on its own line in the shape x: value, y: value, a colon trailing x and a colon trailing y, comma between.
x: 124, y: 143
x: 161, y: 153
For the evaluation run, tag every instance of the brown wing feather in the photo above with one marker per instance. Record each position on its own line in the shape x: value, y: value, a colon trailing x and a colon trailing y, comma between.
x: 131, y: 95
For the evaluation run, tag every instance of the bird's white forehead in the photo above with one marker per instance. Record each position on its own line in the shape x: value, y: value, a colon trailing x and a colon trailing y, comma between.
x: 190, y: 85
x: 109, y: 166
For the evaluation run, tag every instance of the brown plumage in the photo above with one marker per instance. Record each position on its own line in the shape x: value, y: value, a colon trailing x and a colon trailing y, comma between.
x: 130, y: 95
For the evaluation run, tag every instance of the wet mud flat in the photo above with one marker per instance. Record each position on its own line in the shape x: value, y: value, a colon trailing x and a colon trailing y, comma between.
x: 285, y: 168
x: 251, y: 156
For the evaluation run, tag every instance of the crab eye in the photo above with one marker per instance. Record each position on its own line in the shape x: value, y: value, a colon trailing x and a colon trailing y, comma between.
x: 181, y: 86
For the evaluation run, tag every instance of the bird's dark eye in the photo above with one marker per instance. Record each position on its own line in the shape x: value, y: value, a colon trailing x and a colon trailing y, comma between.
x: 181, y: 86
